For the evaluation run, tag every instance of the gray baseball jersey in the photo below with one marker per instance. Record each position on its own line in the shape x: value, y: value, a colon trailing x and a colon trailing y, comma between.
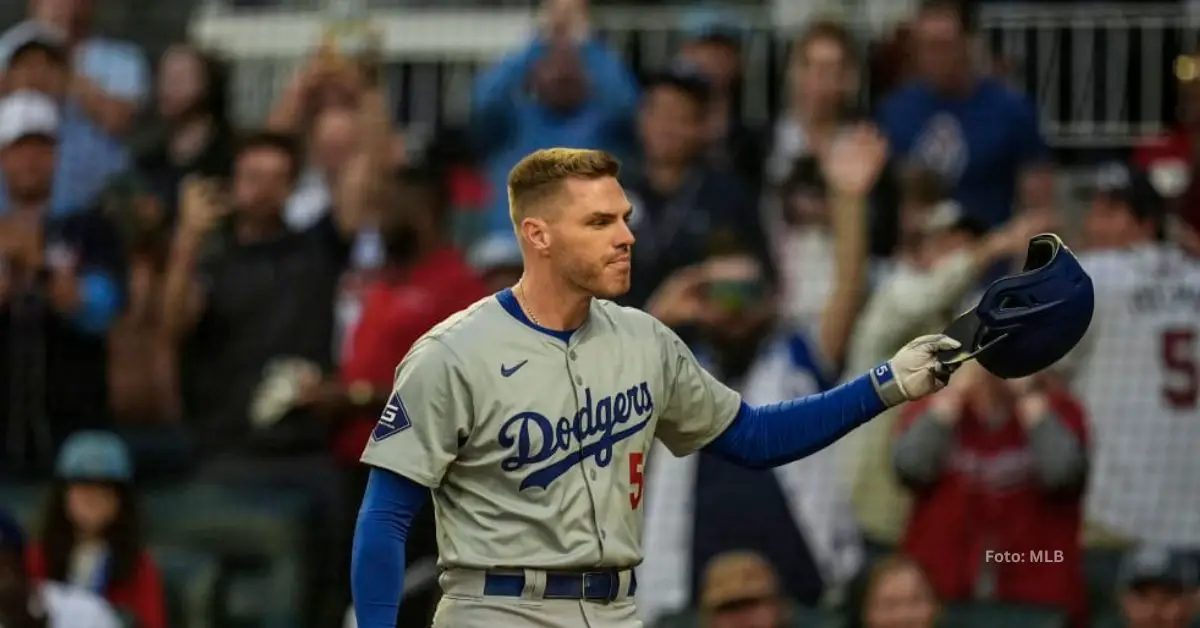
x: 535, y: 446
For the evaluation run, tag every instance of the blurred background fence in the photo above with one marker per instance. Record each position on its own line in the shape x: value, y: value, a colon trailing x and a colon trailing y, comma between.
x: 1101, y: 73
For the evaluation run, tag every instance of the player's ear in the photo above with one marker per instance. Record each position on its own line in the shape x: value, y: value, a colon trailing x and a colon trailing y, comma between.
x: 535, y: 231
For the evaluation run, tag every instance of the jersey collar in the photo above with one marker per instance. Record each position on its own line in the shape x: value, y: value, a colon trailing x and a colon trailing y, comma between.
x: 509, y: 302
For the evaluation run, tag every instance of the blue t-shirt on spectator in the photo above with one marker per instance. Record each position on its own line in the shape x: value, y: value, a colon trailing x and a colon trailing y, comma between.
x: 508, y: 122
x: 980, y: 143
x: 87, y: 154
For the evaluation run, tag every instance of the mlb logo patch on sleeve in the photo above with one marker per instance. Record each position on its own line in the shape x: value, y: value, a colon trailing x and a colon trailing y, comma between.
x: 393, y: 420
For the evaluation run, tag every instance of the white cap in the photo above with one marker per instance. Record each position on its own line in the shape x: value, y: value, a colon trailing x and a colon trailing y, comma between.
x: 498, y: 250
x: 26, y: 113
x: 25, y: 33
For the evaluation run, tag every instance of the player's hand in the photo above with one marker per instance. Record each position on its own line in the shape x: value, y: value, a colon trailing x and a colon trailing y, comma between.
x: 854, y: 160
x: 949, y: 403
x: 917, y: 369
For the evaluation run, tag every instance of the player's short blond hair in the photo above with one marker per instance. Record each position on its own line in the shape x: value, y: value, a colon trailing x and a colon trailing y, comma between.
x: 540, y: 175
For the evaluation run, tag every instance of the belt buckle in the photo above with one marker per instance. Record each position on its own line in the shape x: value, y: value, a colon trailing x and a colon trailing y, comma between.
x: 610, y: 590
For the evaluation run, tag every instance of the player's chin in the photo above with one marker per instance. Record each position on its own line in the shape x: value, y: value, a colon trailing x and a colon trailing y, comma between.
x: 613, y: 281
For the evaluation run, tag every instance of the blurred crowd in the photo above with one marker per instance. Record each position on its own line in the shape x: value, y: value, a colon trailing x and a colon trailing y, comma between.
x: 199, y: 324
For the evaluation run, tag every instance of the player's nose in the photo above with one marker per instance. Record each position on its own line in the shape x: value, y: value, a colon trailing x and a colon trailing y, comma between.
x: 624, y: 236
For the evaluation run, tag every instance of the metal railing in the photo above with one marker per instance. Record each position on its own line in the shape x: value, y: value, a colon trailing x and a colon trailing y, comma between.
x: 1100, y: 73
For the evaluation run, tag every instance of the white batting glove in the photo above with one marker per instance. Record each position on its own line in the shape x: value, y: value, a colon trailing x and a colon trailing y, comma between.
x: 914, y: 371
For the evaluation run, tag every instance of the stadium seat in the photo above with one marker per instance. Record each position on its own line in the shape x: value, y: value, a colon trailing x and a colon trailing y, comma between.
x: 258, y: 538
x: 190, y: 580
x: 802, y: 617
x: 24, y: 501
x: 1107, y: 620
x: 983, y: 615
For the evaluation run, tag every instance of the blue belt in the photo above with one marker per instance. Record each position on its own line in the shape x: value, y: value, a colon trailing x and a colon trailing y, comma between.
x: 595, y: 586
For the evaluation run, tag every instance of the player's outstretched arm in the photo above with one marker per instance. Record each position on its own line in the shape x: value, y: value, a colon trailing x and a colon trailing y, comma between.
x: 777, y: 434
x: 389, y: 505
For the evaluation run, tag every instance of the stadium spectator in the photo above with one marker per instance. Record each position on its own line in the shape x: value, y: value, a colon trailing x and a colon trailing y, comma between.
x: 337, y: 103
x: 35, y: 58
x: 328, y: 79
x: 714, y: 46
x: 60, y: 290
x: 249, y: 304
x: 106, y: 84
x: 90, y: 533
x: 142, y: 373
x: 996, y: 466
x: 28, y: 604
x: 196, y: 137
x: 699, y: 506
x: 822, y: 81
x: 944, y: 252
x: 331, y: 146
x: 801, y: 518
x: 681, y: 202
x: 1157, y: 590
x: 424, y: 280
x: 813, y: 242
x: 899, y: 595
x: 1145, y: 313
x: 976, y: 132
x: 741, y: 590
x: 564, y: 89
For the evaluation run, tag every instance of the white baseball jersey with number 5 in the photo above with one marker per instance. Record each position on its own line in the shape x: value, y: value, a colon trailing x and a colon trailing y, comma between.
x: 1137, y: 371
x: 535, y: 445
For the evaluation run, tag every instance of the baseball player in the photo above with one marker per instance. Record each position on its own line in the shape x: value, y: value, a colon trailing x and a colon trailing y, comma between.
x: 528, y: 416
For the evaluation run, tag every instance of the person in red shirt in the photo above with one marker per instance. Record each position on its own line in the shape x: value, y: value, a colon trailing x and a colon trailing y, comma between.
x: 997, y: 469
x: 424, y: 280
x: 90, y: 535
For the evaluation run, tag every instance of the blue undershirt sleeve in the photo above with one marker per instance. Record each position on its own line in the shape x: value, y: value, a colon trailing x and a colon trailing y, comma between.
x: 773, y: 435
x: 389, y: 505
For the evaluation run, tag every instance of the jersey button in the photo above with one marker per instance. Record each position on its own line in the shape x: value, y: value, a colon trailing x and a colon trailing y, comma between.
x: 603, y: 534
x: 593, y: 474
x: 573, y: 355
x: 579, y: 380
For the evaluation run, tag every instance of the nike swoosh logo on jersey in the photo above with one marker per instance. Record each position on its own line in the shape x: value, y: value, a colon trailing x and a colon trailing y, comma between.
x: 507, y: 371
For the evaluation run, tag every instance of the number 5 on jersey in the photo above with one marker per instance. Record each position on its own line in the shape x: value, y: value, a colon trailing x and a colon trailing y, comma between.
x: 637, y: 478
x: 1180, y: 353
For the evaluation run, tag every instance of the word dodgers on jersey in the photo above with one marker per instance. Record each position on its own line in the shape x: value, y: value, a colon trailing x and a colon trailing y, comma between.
x: 536, y: 439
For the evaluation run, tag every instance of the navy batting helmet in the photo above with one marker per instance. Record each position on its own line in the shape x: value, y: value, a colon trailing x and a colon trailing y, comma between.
x: 1028, y: 321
